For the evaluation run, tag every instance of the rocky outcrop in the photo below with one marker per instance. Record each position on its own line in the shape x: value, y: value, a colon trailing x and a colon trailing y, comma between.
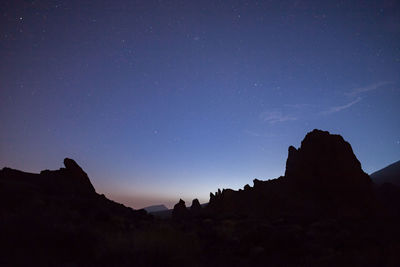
x: 67, y: 187
x: 69, y: 180
x: 325, y: 158
x: 195, y: 209
x: 55, y: 216
x: 180, y: 212
x: 325, y: 170
x: 323, y: 178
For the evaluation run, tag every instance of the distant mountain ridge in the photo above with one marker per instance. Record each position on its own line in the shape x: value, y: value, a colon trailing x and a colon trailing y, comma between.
x: 155, y: 208
x: 389, y: 174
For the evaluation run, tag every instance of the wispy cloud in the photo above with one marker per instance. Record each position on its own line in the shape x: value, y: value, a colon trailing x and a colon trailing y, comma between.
x: 356, y: 92
x: 342, y: 107
x: 372, y: 87
x: 275, y: 116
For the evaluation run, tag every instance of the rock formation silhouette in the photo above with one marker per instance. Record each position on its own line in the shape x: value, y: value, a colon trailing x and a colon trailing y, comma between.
x: 324, y: 211
x: 195, y: 209
x: 43, y: 215
x: 326, y: 171
x: 180, y: 211
x: 322, y: 178
x: 69, y: 180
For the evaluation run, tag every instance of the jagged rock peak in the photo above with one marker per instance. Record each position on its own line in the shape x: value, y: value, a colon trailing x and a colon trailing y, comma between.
x: 181, y: 203
x: 196, y: 203
x: 71, y: 165
x: 196, y: 207
x: 322, y: 154
x: 80, y: 177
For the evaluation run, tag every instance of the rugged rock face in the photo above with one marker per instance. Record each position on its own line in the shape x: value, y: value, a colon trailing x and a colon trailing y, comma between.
x: 326, y: 170
x: 82, y: 178
x: 67, y: 187
x: 324, y: 158
x: 70, y: 180
x: 323, y: 178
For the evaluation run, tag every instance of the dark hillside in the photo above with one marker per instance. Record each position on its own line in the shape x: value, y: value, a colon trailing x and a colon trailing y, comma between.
x: 56, y: 216
x: 389, y: 174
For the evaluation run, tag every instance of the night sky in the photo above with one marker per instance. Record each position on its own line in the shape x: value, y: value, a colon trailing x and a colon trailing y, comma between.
x: 161, y: 100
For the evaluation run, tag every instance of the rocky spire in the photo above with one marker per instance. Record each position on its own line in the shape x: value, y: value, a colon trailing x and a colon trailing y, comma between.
x: 180, y: 211
x: 195, y: 209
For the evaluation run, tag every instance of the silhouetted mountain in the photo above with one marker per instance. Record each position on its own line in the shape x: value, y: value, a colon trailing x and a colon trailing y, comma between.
x: 325, y: 211
x: 155, y: 208
x: 163, y: 214
x: 322, y: 178
x: 389, y: 174
x: 71, y: 180
x: 387, y: 188
x: 56, y: 216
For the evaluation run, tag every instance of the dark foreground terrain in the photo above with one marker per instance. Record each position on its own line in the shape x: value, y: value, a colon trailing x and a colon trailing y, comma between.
x: 324, y: 211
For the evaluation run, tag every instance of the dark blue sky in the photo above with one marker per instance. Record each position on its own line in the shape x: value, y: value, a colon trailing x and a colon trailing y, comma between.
x: 161, y: 100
